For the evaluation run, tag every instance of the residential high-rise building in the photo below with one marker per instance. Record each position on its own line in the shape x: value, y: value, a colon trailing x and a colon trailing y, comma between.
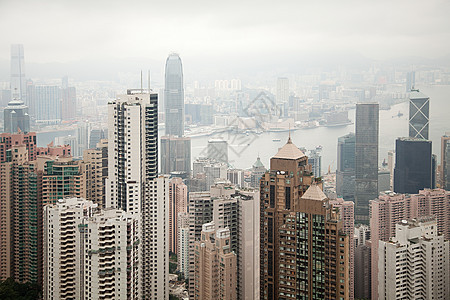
x: 366, y: 158
x: 361, y: 234
x: 18, y: 80
x: 183, y: 244
x: 391, y: 167
x: 215, y: 274
x: 15, y: 117
x: 19, y: 217
x: 414, y: 264
x: 413, y: 165
x: 178, y: 203
x: 210, y: 169
x: 95, y: 163
x: 282, y: 90
x: 175, y: 155
x: 293, y: 210
x: 347, y: 217
x: 236, y: 177
x: 47, y: 104
x: 218, y: 150
x: 7, y: 140
x: 90, y: 253
x: 248, y: 245
x: 132, y: 148
x: 174, y: 96
x: 390, y: 209
x: 445, y: 162
x: 345, y: 173
x: 133, y: 184
x: 419, y: 115
x: 200, y: 212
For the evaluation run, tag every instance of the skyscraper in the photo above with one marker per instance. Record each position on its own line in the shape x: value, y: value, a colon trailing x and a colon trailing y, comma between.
x: 47, y: 103
x: 282, y: 90
x: 90, y: 253
x: 419, y: 112
x: 345, y: 173
x: 18, y: 80
x: 413, y: 165
x: 176, y: 155
x: 16, y: 117
x: 174, y: 96
x: 415, y: 263
x: 178, y: 203
x: 366, y: 158
x: 215, y: 274
x: 445, y: 162
x: 293, y: 211
x: 133, y: 184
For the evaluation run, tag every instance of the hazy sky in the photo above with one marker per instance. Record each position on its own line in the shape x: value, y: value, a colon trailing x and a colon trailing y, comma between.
x: 69, y: 30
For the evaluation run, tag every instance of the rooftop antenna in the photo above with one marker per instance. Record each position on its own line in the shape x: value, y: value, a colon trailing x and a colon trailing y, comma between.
x: 149, y: 81
x: 289, y: 139
x: 141, y: 83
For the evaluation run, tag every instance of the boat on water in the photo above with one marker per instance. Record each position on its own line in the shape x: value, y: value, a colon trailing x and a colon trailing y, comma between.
x: 276, y: 140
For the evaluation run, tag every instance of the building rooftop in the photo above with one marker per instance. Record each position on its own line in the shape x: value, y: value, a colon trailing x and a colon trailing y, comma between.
x: 314, y: 192
x: 416, y: 94
x: 289, y: 151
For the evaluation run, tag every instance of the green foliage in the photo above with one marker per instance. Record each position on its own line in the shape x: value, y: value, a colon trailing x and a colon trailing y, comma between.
x: 173, y: 297
x: 11, y: 290
x: 172, y: 267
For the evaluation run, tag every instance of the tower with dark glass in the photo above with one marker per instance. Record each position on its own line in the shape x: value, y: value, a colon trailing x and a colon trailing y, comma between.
x: 174, y: 96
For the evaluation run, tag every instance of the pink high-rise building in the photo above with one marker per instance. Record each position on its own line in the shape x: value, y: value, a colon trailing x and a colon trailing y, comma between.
x: 347, y: 215
x: 178, y: 203
x: 390, y: 209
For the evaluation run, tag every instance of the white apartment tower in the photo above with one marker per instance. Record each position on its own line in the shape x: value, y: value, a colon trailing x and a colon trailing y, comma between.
x: 134, y: 186
x: 90, y: 253
x: 415, y: 263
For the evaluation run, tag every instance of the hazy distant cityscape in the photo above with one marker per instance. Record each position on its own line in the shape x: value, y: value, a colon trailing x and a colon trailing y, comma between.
x: 218, y: 156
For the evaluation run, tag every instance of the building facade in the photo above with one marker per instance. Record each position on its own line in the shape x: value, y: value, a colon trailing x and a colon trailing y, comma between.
x: 293, y: 211
x: 174, y: 96
x: 215, y: 274
x: 175, y: 155
x: 414, y: 264
x: 90, y: 253
x: 366, y: 158
x: 413, y: 165
x: 178, y: 203
x: 345, y: 172
x: 419, y: 115
x: 16, y: 117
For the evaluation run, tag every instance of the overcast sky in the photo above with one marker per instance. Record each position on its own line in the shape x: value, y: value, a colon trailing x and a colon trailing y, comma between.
x: 68, y: 31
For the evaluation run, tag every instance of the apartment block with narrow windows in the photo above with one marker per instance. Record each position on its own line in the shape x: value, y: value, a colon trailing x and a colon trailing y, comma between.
x: 90, y: 253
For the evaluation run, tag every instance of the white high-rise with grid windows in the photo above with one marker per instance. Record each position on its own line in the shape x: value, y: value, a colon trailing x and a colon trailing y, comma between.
x: 415, y: 263
x: 133, y: 183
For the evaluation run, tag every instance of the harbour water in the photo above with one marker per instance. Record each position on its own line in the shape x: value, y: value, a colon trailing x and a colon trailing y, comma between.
x: 244, y: 149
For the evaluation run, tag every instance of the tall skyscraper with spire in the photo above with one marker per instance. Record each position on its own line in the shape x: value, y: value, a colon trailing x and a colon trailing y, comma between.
x: 174, y: 96
x: 18, y: 81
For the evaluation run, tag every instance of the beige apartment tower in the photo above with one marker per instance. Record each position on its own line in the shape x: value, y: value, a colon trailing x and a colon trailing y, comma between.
x: 215, y: 275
